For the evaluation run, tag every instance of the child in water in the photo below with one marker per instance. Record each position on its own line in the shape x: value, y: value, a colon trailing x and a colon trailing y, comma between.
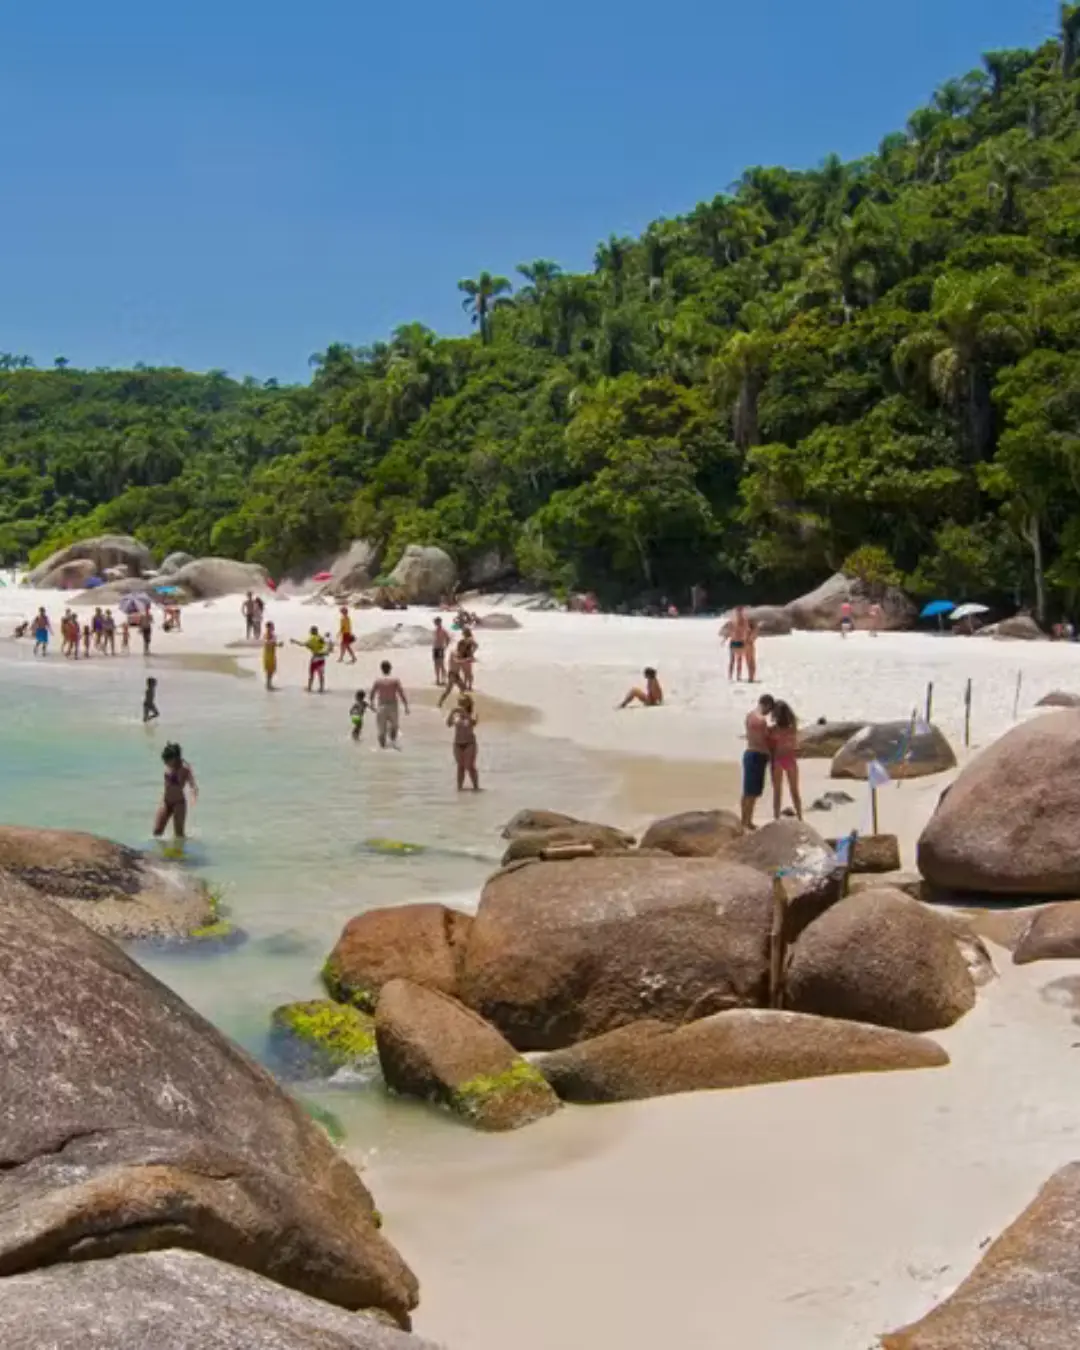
x: 356, y: 713
x: 149, y: 705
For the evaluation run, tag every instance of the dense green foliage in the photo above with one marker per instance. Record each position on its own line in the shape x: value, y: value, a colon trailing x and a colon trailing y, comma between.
x: 875, y: 363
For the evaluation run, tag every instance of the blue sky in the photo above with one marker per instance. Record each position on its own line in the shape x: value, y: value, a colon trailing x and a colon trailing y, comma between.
x: 236, y: 185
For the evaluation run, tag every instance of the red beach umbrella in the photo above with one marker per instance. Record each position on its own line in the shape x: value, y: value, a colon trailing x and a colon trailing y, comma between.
x: 321, y: 576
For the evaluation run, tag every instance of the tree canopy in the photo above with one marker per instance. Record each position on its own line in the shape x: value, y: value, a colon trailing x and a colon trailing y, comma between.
x: 877, y: 360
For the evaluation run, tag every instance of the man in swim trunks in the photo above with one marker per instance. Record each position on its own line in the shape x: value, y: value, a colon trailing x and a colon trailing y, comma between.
x: 738, y: 635
x: 346, y: 637
x: 319, y: 650
x: 247, y: 609
x: 42, y: 633
x: 756, y: 757
x: 440, y: 640
x: 386, y: 694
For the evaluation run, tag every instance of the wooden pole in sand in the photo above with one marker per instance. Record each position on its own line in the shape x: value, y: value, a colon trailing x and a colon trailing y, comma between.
x: 776, y: 943
x: 929, y: 701
x: 967, y: 715
x: 1016, y: 699
x: 873, y: 808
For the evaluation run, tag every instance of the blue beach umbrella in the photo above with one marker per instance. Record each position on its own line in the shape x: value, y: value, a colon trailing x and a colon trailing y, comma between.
x: 168, y: 590
x: 936, y: 608
x: 94, y: 583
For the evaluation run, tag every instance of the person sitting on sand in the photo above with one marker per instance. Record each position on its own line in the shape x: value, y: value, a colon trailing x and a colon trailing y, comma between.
x: 463, y: 720
x: 756, y: 758
x: 179, y: 775
x: 738, y: 631
x: 319, y: 649
x: 386, y: 693
x: 652, y: 696
x: 783, y: 752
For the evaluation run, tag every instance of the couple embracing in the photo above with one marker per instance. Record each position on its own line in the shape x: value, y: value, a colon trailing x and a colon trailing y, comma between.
x: 771, y: 744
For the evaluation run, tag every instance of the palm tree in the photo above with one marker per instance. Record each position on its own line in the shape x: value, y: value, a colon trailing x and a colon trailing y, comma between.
x: 540, y: 275
x: 483, y: 295
x: 61, y: 363
x: 739, y: 375
x: 611, y: 258
x: 976, y: 319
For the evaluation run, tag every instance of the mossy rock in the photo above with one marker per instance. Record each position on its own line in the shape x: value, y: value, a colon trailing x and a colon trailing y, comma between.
x: 318, y: 1038
x: 491, y: 1103
x: 351, y: 996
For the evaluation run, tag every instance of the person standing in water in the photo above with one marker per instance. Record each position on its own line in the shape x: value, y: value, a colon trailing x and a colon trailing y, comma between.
x: 463, y: 720
x: 270, y: 645
x: 179, y: 776
x: 346, y: 637
x: 386, y: 694
x: 466, y: 653
x: 42, y: 633
x: 247, y: 609
x: 356, y: 714
x: 149, y: 705
x: 756, y: 758
x: 783, y: 748
x: 319, y: 649
x: 439, y: 642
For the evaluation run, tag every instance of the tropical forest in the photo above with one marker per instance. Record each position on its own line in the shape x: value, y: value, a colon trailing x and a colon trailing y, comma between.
x: 869, y: 366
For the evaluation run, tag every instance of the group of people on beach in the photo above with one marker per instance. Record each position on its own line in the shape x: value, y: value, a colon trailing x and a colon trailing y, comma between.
x: 99, y: 634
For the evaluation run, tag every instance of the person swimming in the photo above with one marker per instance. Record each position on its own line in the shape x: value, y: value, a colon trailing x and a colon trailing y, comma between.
x: 357, y: 712
x: 149, y: 707
x: 652, y: 696
x: 179, y: 776
x: 463, y: 720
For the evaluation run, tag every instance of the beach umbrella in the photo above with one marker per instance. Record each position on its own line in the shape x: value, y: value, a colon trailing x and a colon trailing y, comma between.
x: 936, y: 608
x: 168, y: 590
x: 132, y: 604
x: 968, y: 611
x: 321, y: 576
x: 94, y: 583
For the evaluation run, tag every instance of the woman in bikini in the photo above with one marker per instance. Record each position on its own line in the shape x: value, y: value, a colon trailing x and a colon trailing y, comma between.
x: 652, y: 696
x: 783, y: 750
x: 463, y: 720
x: 179, y: 776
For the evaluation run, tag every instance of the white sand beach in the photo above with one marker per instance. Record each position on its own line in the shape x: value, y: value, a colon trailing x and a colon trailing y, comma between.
x: 815, y: 1214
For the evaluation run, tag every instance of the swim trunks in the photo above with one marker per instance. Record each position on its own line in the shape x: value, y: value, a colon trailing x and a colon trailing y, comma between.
x: 737, y: 646
x: 386, y: 719
x: 318, y: 663
x: 754, y: 765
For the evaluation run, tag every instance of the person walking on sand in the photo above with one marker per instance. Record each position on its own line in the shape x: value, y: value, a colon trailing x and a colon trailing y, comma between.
x: 463, y: 720
x: 108, y: 633
x: 260, y: 611
x: 455, y: 678
x: 247, y: 609
x: 386, y: 694
x: 319, y: 649
x: 738, y: 631
x: 750, y: 651
x: 875, y: 617
x: 783, y: 754
x: 346, y: 637
x: 756, y: 758
x: 440, y: 640
x: 147, y: 627
x: 42, y: 633
x: 652, y: 696
x: 847, y: 620
x: 179, y: 776
x: 270, y: 645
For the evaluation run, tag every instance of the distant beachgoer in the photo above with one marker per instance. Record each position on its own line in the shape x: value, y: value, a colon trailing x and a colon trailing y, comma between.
x: 783, y: 748
x: 439, y: 642
x: 454, y: 679
x: 357, y: 712
x: 652, y: 696
x: 875, y: 615
x: 69, y: 632
x: 319, y: 649
x: 750, y: 651
x: 21, y: 629
x: 463, y: 719
x: 847, y: 620
x: 466, y: 653
x: 346, y: 637
x: 108, y: 633
x: 756, y: 757
x: 42, y: 633
x: 247, y: 609
x: 97, y: 627
x: 125, y: 637
x: 149, y: 705
x: 270, y: 645
x: 386, y: 694
x: 179, y: 776
x: 86, y: 636
x: 146, y: 623
x: 738, y: 631
x: 260, y: 611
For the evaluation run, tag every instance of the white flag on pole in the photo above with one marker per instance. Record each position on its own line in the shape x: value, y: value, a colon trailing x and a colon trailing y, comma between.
x: 877, y: 774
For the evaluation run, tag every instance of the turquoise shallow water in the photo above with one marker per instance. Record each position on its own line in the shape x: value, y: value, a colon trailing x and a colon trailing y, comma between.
x: 286, y: 802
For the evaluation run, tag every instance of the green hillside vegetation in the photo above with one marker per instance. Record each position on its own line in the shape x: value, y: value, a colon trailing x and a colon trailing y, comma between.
x: 873, y: 365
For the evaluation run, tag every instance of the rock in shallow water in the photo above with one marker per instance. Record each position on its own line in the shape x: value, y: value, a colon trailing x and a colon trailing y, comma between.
x: 424, y: 943
x: 176, y: 1300
x: 130, y: 1124
x: 318, y: 1038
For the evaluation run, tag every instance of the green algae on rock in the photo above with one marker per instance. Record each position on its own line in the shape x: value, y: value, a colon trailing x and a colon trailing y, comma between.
x: 319, y: 1037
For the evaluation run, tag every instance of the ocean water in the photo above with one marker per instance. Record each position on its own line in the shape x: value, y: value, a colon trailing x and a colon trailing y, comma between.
x: 287, y: 803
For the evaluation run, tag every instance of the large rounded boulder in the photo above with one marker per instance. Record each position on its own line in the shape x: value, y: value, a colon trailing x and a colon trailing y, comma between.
x: 176, y: 1300
x: 823, y: 608
x: 1051, y: 934
x: 580, y: 837
x: 907, y: 751
x: 356, y: 568
x: 211, y: 578
x: 1025, y: 1292
x: 1008, y: 825
x: 809, y: 870
x: 732, y: 1049
x: 423, y: 576
x: 130, y: 1124
x: 113, y: 889
x: 173, y: 563
x: 561, y: 951
x: 424, y: 943
x: 70, y: 576
x: 883, y: 958
x: 822, y: 740
x: 693, y: 834
x: 102, y: 551
x: 433, y: 1047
